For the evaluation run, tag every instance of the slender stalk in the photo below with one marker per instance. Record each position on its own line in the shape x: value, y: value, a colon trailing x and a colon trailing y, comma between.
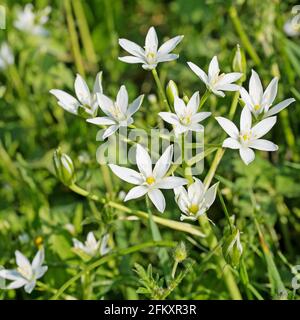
x: 161, y: 90
x: 74, y: 38
x: 243, y: 35
x: 102, y: 260
x: 174, y: 268
x: 84, y: 31
x: 204, y: 98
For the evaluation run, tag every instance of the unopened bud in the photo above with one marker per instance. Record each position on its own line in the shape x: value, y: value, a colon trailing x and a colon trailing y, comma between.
x: 180, y: 252
x: 172, y: 91
x: 233, y: 249
x: 239, y: 61
x: 64, y: 167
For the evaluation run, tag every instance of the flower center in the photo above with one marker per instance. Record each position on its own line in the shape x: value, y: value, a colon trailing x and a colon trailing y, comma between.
x: 151, y: 57
x: 150, y: 180
x: 256, y: 107
x: 245, y: 137
x: 117, y: 114
x: 193, y: 208
x: 25, y: 272
x: 186, y: 120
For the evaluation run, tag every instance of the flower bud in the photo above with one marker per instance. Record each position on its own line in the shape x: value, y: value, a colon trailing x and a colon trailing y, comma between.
x: 64, y: 167
x: 233, y: 249
x: 239, y: 61
x: 180, y: 252
x: 172, y: 91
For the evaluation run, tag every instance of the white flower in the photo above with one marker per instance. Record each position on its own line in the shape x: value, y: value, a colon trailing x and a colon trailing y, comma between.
x: 151, y: 56
x: 149, y: 181
x: 91, y: 246
x: 247, y: 137
x: 27, y: 273
x: 118, y: 113
x: 6, y: 56
x: 85, y: 99
x: 185, y: 117
x: 28, y: 21
x: 259, y: 101
x: 292, y: 28
x: 195, y: 201
x: 215, y: 82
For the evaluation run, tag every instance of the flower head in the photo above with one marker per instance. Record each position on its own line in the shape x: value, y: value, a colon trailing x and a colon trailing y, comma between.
x: 149, y: 180
x: 6, y: 56
x: 27, y: 273
x: 186, y: 118
x: 118, y: 113
x: 195, y: 201
x: 28, y: 21
x: 92, y: 247
x: 259, y: 101
x: 151, y: 55
x: 291, y: 28
x: 247, y: 137
x: 214, y: 81
x: 86, y: 101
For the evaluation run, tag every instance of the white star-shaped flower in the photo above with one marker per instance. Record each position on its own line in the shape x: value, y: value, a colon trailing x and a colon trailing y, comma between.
x: 260, y: 101
x: 91, y: 246
x: 118, y: 113
x: 151, y: 55
x: 214, y: 81
x: 149, y: 181
x: 6, y: 56
x: 247, y: 137
x: 195, y: 201
x: 27, y: 273
x: 186, y: 118
x: 85, y: 99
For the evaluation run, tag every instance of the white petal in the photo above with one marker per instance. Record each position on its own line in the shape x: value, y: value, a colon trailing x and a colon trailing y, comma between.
x: 262, y: 144
x: 98, y: 83
x: 122, y: 99
x: 200, y: 116
x: 22, y: 261
x: 151, y: 41
x: 255, y: 88
x: 163, y: 163
x: 246, y: 97
x: 213, y: 68
x: 109, y: 131
x: 179, y: 106
x: 169, y: 45
x: 132, y: 48
x: 167, y: 57
x: 231, y: 143
x: 40, y: 272
x: 66, y: 101
x: 105, y: 103
x: 104, y: 248
x: 278, y: 107
x: 193, y: 104
x: 30, y: 286
x: 136, y: 192
x: 196, y: 127
x: 131, y: 59
x: 82, y: 91
x: 10, y: 274
x: 247, y: 155
x: 170, y: 183
x: 158, y: 199
x: 135, y: 105
x: 245, y: 120
x: 148, y: 66
x: 270, y: 93
x: 210, y: 195
x: 169, y: 117
x: 263, y: 127
x: 218, y: 92
x: 143, y: 161
x: 228, y: 126
x: 17, y: 284
x: 228, y: 78
x: 196, y: 191
x: 199, y: 72
x: 227, y: 87
x: 101, y: 121
x: 38, y: 259
x: 126, y: 174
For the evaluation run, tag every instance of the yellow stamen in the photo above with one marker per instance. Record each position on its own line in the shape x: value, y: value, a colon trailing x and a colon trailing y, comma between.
x: 150, y: 180
x: 38, y: 241
x: 256, y: 107
x: 193, y: 208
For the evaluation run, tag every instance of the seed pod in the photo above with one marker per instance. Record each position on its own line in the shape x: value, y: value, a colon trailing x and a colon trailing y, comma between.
x: 239, y: 61
x: 232, y: 249
x: 180, y: 252
x: 172, y: 91
x: 64, y: 167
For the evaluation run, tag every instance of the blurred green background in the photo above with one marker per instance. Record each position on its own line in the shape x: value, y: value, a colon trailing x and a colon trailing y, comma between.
x: 33, y: 203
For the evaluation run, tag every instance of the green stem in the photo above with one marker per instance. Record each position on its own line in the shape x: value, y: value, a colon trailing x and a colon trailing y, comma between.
x: 84, y: 31
x: 102, y: 260
x: 16, y: 80
x: 160, y: 89
x: 174, y: 268
x: 243, y: 36
x: 74, y: 38
x: 203, y: 99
